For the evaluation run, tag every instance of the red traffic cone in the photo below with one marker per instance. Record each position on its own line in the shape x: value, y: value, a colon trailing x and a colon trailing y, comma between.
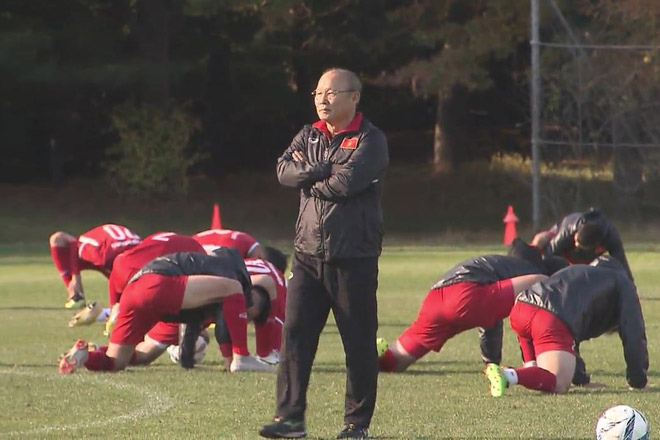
x: 510, y: 232
x: 216, y: 223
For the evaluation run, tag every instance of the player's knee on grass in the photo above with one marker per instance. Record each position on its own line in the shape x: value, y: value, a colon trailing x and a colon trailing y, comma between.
x: 121, y: 355
x: 561, y: 364
x: 403, y: 358
x: 148, y: 351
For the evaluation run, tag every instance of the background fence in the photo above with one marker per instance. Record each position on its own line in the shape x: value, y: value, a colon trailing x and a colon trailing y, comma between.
x: 595, y: 99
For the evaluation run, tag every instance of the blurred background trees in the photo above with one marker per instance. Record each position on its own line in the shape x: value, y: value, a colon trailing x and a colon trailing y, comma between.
x: 446, y: 79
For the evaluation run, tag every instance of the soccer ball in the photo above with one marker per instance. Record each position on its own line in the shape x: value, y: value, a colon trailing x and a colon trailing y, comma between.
x: 622, y: 422
x: 200, y: 349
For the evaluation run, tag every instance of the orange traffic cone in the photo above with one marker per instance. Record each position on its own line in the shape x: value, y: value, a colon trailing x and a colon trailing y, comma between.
x: 510, y: 232
x: 216, y: 223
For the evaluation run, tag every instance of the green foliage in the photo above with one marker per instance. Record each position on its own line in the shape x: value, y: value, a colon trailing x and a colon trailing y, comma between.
x: 153, y: 155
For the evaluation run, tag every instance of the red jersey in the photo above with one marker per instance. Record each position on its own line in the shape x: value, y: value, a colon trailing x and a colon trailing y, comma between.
x: 262, y: 267
x: 98, y: 248
x: 215, y: 238
x: 154, y: 246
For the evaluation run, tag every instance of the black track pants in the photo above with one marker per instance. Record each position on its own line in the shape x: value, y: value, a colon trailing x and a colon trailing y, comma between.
x: 348, y: 288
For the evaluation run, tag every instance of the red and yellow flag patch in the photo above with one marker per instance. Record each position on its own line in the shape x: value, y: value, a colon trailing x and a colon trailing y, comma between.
x: 349, y: 143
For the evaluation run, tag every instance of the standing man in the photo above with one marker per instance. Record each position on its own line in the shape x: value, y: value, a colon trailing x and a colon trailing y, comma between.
x: 338, y: 164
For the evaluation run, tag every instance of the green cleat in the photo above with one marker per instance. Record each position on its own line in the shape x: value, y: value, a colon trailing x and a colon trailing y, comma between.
x: 381, y: 347
x: 77, y: 302
x: 498, y: 381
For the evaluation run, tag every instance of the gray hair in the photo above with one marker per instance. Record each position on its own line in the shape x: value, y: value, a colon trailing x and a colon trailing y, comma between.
x: 353, y: 80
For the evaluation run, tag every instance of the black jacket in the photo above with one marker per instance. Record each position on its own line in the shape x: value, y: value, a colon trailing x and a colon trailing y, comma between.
x: 225, y: 262
x: 592, y: 300
x: 549, y: 265
x: 563, y: 243
x: 487, y: 270
x: 340, y: 185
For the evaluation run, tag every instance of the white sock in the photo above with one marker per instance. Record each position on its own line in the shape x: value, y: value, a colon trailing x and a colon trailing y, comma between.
x: 105, y: 314
x: 511, y: 375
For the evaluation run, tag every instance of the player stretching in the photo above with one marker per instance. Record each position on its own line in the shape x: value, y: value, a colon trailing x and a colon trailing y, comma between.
x: 183, y: 287
x: 93, y: 250
x: 476, y: 293
x: 576, y: 304
x: 244, y: 243
x: 269, y: 280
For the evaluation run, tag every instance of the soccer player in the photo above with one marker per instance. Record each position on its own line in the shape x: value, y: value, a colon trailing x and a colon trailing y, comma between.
x: 475, y: 293
x: 183, y: 287
x: 269, y: 280
x: 581, y: 237
x: 126, y: 266
x: 575, y: 304
x: 93, y: 250
x: 246, y: 244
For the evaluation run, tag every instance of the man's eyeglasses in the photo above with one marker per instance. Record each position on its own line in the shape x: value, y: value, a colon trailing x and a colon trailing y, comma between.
x: 330, y: 94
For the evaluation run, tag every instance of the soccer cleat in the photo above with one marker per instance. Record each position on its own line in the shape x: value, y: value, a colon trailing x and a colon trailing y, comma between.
x: 87, y: 315
x: 272, y: 359
x: 112, y: 320
x: 381, y: 347
x: 354, y: 432
x: 74, y: 358
x: 249, y: 363
x: 282, y: 428
x: 498, y: 381
x: 76, y: 302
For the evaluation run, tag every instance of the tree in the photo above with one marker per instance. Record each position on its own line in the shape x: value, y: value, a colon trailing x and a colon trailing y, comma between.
x: 454, y: 41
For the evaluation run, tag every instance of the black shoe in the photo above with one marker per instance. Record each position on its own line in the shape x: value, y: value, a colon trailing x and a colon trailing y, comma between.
x: 354, y: 432
x: 282, y: 428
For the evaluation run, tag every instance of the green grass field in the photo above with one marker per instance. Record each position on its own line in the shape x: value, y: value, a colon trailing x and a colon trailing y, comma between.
x: 443, y: 396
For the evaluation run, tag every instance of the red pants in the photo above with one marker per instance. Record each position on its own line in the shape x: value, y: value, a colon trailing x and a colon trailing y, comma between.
x: 539, y: 331
x: 165, y: 333
x: 144, y: 303
x: 451, y: 310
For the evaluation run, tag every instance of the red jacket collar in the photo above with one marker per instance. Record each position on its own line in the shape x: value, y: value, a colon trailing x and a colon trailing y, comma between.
x: 355, y: 125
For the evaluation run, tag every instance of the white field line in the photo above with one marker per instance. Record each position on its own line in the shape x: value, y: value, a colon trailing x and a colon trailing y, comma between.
x: 155, y: 403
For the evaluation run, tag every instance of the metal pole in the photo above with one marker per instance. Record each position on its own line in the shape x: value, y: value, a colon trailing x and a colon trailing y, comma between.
x: 536, y: 113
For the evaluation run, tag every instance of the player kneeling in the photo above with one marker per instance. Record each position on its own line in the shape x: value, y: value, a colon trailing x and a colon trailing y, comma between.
x: 551, y: 318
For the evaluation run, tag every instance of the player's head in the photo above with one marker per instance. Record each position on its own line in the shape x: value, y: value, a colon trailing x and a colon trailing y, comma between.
x: 590, y: 235
x: 336, y: 95
x: 261, y: 305
x: 278, y: 258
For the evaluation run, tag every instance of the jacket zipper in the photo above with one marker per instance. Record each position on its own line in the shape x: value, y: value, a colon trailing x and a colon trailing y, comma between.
x: 326, y: 153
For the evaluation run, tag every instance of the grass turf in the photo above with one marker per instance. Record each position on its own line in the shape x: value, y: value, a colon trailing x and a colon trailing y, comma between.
x: 442, y: 396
